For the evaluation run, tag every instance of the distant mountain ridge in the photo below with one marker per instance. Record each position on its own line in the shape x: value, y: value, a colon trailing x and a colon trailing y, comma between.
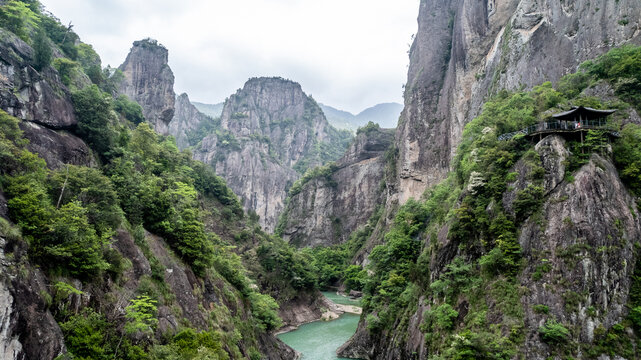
x: 213, y: 110
x: 385, y: 114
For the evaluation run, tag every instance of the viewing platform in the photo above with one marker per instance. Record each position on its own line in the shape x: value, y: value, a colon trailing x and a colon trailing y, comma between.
x: 575, y: 121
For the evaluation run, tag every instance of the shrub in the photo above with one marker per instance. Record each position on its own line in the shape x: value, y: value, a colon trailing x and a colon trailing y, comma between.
x: 541, y: 309
x: 141, y: 316
x: 67, y: 69
x: 368, y: 128
x: 85, y: 335
x: 627, y: 156
x: 527, y: 202
x: 130, y: 110
x: 444, y: 316
x: 189, y: 344
x: 554, y: 333
x: 635, y: 317
x: 265, y: 309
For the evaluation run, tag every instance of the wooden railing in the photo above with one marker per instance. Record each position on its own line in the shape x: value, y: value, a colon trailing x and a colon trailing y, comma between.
x: 554, y: 126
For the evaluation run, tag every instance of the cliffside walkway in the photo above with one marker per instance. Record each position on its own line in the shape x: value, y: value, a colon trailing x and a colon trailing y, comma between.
x: 562, y: 126
x: 576, y: 120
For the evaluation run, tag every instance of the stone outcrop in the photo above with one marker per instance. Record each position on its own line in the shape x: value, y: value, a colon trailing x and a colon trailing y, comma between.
x: 186, y: 119
x: 28, y: 94
x: 150, y: 82
x: 43, y: 102
x: 466, y: 50
x: 329, y: 208
x: 57, y: 148
x: 268, y: 129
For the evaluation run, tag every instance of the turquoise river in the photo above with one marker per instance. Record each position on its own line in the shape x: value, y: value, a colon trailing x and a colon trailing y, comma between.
x: 320, y: 339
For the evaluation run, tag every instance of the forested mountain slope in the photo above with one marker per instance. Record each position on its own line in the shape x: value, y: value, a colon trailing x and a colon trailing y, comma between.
x: 114, y: 244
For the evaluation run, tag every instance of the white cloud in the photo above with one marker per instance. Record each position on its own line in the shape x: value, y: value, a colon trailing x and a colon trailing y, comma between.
x: 347, y: 53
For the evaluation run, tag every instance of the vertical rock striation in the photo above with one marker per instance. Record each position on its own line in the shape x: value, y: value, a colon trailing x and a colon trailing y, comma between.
x: 150, y: 82
x: 330, y: 207
x: 467, y: 50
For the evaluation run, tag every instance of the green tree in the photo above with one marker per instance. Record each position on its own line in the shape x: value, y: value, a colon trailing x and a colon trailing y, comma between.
x: 67, y: 69
x: 265, y: 310
x: 17, y: 17
x: 61, y: 35
x: 130, y: 110
x: 92, y: 189
x: 554, y: 332
x: 627, y: 156
x: 93, y: 110
x: 141, y: 316
x: 42, y: 51
x: 73, y: 245
x: 85, y: 335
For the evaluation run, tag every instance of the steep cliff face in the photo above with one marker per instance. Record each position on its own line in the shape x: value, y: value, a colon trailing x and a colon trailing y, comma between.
x: 588, y: 239
x: 28, y: 94
x: 579, y: 255
x: 467, y: 50
x: 269, y: 130
x: 329, y: 207
x: 150, y: 82
x: 186, y: 119
x: 27, y: 328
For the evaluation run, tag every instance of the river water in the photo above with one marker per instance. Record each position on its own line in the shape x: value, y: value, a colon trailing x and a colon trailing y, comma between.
x: 319, y: 340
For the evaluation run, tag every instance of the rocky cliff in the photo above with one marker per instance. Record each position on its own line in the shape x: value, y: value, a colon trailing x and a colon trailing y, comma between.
x: 578, y: 255
x: 270, y: 133
x: 330, y: 206
x: 42, y: 101
x: 150, y: 82
x: 28, y: 94
x: 187, y: 119
x: 466, y: 50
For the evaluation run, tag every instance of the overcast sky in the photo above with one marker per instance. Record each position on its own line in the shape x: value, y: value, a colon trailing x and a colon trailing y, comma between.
x: 350, y: 54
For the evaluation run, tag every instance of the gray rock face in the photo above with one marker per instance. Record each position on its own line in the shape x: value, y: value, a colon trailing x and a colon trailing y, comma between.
x: 56, y: 147
x: 588, y: 239
x: 465, y: 50
x: 328, y: 209
x: 585, y: 233
x: 27, y: 94
x: 186, y: 118
x: 150, y: 82
x: 554, y: 154
x: 268, y: 128
x: 27, y: 328
x: 43, y: 102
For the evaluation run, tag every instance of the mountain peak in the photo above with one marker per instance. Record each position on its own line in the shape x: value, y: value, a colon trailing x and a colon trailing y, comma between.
x: 150, y: 82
